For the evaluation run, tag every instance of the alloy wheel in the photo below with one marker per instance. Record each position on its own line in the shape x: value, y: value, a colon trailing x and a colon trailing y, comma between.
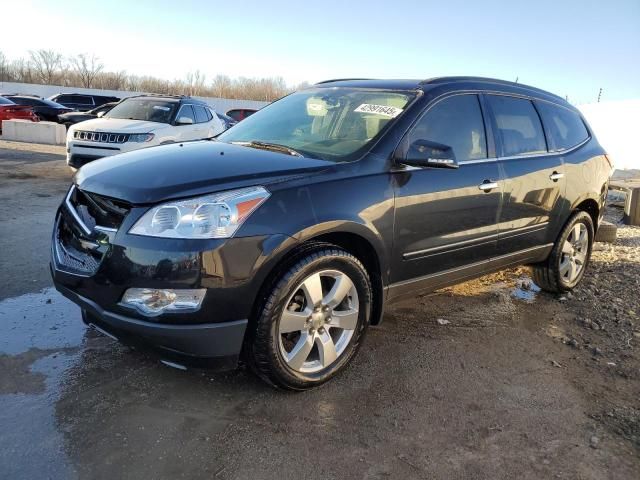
x: 574, y: 253
x: 318, y: 321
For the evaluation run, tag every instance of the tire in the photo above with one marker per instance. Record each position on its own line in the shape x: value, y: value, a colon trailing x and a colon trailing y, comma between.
x: 607, y: 232
x: 296, y: 342
x: 552, y: 275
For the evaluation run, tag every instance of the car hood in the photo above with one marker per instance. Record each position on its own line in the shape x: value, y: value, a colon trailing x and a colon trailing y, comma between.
x: 182, y: 170
x: 121, y: 125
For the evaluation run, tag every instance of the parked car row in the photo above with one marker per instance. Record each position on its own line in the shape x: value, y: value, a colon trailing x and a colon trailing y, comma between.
x: 72, y: 108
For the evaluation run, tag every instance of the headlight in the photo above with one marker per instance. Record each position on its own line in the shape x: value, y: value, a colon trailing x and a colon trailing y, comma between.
x: 212, y: 216
x: 141, y: 137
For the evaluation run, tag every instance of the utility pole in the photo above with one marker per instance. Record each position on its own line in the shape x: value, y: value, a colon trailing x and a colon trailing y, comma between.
x: 599, y: 94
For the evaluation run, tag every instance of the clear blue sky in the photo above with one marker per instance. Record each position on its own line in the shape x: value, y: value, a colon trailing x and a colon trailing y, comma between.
x: 570, y: 47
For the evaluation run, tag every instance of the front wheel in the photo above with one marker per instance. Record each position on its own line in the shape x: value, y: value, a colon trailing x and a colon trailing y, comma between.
x: 568, y: 260
x: 313, y: 319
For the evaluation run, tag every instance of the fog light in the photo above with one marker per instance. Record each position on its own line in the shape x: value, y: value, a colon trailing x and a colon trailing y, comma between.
x: 152, y: 301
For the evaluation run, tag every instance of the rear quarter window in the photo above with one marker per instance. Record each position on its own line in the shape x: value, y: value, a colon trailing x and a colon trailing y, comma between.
x: 565, y: 128
x: 519, y: 126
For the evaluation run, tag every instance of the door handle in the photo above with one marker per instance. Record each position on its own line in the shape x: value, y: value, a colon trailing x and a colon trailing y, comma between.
x: 487, y: 185
x: 555, y: 176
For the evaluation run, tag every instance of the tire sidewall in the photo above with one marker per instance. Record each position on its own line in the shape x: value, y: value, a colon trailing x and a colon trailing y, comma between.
x: 324, y: 260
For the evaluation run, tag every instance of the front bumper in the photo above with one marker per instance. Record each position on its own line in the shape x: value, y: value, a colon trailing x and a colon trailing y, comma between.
x: 211, y: 345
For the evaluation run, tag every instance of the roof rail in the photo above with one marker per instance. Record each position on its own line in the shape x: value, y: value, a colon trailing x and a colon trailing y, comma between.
x: 436, y: 80
x: 341, y: 80
x: 159, y: 95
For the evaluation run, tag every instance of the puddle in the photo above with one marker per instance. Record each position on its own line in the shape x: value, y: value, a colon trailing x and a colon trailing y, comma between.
x: 525, y: 290
x: 44, y: 320
x: 40, y: 339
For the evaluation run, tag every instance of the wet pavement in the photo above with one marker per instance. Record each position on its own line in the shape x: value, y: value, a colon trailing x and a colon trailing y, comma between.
x: 40, y: 339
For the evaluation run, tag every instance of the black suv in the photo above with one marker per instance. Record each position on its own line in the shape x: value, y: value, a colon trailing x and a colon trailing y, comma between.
x: 284, y: 239
x: 82, y: 102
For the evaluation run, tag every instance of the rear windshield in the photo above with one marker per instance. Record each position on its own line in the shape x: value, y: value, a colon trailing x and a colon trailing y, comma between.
x: 150, y: 110
x: 329, y: 123
x: 5, y: 101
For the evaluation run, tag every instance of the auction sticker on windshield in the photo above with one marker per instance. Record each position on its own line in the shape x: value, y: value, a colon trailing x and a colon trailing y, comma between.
x: 384, y: 110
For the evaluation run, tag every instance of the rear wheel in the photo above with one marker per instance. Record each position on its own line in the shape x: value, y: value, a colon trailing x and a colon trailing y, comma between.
x: 568, y: 260
x: 313, y: 320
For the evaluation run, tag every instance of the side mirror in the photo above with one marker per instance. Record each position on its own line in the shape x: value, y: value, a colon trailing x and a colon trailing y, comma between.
x: 184, y: 121
x: 424, y: 153
x: 101, y: 114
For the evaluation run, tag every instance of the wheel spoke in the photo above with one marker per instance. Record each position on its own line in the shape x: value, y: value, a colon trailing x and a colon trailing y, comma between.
x: 300, y: 352
x: 573, y: 270
x: 347, y: 319
x: 583, y: 239
x: 565, y: 265
x: 312, y: 288
x: 575, y: 232
x: 293, y: 321
x: 567, y: 247
x: 326, y: 348
x: 340, y: 289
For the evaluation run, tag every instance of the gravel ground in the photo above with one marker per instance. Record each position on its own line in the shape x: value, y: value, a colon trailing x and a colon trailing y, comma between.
x: 488, y: 379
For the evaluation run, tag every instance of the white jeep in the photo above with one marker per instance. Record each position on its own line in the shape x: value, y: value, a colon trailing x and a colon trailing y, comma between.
x: 140, y: 122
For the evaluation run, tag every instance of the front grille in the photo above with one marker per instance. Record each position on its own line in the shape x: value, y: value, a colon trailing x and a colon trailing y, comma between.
x: 96, y: 209
x: 84, y: 230
x: 102, y: 137
x: 70, y: 253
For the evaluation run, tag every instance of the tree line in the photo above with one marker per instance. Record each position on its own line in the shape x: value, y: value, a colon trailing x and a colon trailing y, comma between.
x: 47, y: 67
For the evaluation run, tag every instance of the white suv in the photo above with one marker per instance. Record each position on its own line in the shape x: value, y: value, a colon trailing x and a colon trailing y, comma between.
x: 140, y: 122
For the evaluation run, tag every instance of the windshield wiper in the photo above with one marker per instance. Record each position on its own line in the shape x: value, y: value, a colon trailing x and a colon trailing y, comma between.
x: 276, y: 147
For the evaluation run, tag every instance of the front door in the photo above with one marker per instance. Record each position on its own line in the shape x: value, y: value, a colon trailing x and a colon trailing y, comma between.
x: 447, y: 218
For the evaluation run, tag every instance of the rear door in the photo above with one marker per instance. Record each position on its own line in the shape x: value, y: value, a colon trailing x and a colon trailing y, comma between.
x: 447, y: 218
x: 534, y: 182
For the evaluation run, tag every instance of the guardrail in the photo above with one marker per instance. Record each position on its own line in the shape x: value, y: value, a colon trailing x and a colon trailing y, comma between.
x: 50, y: 133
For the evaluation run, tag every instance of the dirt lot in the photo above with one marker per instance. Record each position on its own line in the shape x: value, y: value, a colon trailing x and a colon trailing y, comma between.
x: 511, y: 382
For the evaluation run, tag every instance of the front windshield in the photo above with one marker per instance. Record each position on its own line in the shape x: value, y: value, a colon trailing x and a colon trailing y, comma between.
x: 329, y: 123
x: 147, y: 109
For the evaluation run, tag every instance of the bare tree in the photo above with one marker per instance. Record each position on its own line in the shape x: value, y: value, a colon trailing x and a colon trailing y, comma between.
x: 4, y: 68
x: 221, y: 86
x: 87, y: 67
x: 195, y: 82
x: 112, y: 80
x: 46, y: 64
x: 85, y: 70
x: 21, y: 71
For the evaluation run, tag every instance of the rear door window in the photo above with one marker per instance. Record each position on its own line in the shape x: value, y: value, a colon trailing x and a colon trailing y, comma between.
x: 456, y: 122
x: 201, y: 114
x: 519, y: 127
x: 565, y: 128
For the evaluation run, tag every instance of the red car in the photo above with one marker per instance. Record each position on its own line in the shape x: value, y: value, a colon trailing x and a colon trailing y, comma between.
x: 11, y: 111
x: 240, y: 113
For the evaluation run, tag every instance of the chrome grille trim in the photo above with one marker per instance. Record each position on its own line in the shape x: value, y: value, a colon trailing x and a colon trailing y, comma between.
x: 102, y: 137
